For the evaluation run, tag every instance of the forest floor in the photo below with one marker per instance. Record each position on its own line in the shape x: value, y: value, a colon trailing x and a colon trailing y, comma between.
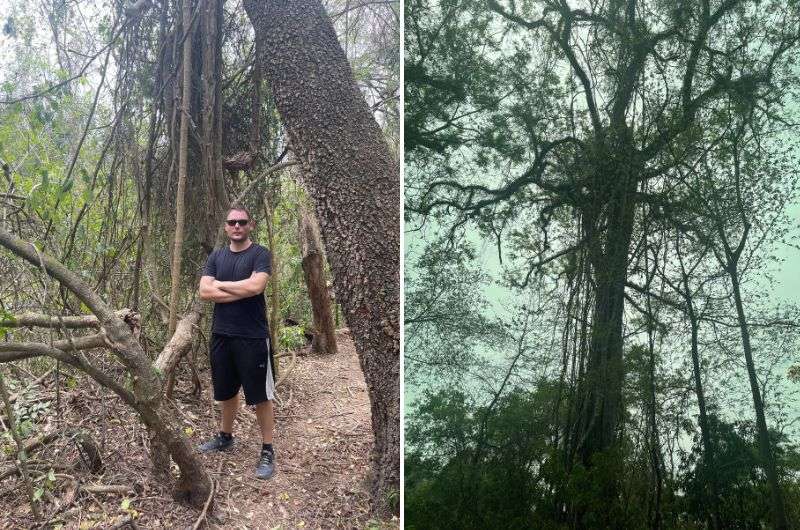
x: 322, y: 441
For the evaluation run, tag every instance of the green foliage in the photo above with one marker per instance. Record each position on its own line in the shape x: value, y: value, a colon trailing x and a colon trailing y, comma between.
x: 7, y: 317
x: 743, y: 491
x: 287, y: 279
x: 446, y: 321
x: 522, y: 128
x: 467, y: 467
x: 291, y: 337
x: 392, y: 500
x: 31, y: 412
x: 509, y: 474
x: 44, y: 482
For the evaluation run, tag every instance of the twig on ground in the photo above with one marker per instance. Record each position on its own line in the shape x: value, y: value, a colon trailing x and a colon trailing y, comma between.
x: 13, y: 398
x: 214, y: 485
x: 202, y: 515
x: 126, y: 521
x: 286, y: 371
x: 108, y: 488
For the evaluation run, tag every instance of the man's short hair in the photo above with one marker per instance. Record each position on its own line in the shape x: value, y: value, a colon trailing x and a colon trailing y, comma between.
x: 239, y: 208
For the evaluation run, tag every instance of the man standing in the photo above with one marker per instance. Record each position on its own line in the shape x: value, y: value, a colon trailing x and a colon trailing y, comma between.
x: 235, y: 277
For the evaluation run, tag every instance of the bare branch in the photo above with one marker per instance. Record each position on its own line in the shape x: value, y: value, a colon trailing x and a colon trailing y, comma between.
x: 39, y: 320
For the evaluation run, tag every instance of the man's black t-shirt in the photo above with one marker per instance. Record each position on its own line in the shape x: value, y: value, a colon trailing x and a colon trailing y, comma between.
x: 246, y: 317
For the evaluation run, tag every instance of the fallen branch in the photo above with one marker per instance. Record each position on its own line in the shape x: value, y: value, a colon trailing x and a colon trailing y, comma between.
x: 14, y: 351
x: 181, y: 340
x: 126, y: 521
x: 25, y: 320
x: 145, y: 395
x: 35, y: 465
x: 107, y: 488
x: 286, y: 371
x: 9, y: 472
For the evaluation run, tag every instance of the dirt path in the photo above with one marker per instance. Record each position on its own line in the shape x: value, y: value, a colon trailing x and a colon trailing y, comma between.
x: 322, y: 440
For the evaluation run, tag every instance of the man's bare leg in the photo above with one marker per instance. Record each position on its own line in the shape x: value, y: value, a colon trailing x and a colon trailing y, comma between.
x: 230, y: 408
x: 222, y: 442
x: 266, y: 420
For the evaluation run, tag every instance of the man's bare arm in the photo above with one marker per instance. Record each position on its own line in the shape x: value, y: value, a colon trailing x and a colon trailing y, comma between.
x: 252, y: 286
x: 209, y: 292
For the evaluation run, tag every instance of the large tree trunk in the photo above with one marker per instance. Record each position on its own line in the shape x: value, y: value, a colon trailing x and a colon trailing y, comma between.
x: 602, y: 382
x: 211, y: 118
x: 608, y: 219
x: 355, y: 186
x: 764, y: 448
x: 314, y: 271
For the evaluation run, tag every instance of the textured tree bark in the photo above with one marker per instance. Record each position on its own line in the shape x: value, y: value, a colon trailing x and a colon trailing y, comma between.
x: 183, y: 162
x: 324, y: 340
x: 355, y: 186
x: 24, y: 320
x: 181, y: 340
x: 211, y: 117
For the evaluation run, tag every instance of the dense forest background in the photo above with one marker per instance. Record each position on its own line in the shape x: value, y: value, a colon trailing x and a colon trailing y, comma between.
x: 599, y: 197
x: 125, y: 131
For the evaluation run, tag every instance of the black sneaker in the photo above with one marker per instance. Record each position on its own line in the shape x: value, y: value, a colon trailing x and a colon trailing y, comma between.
x: 266, y: 464
x: 217, y: 443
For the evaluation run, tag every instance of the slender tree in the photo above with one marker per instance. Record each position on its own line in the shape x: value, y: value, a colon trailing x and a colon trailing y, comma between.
x: 324, y: 340
x: 727, y: 210
x: 183, y: 162
x: 684, y: 289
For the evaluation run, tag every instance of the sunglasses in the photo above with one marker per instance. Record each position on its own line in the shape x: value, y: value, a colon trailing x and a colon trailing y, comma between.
x: 240, y: 222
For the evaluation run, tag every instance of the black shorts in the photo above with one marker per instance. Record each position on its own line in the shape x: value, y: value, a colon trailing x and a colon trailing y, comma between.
x: 242, y: 362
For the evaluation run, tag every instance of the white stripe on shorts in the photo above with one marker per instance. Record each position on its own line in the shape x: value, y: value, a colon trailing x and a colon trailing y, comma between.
x: 270, y: 379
